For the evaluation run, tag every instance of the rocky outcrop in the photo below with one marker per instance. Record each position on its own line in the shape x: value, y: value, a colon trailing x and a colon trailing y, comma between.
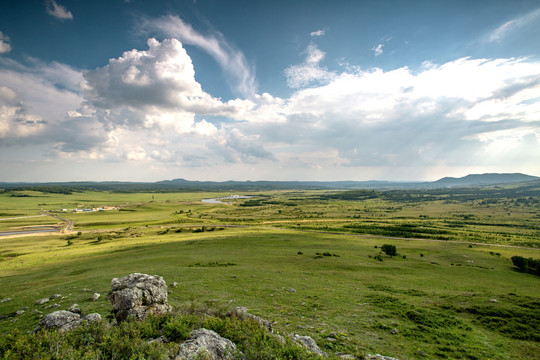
x: 207, y: 344
x: 309, y: 344
x: 66, y: 320
x: 138, y: 295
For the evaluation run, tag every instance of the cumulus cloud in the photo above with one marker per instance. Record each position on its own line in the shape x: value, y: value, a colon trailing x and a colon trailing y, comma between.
x: 58, y: 11
x: 145, y: 107
x: 15, y: 122
x: 513, y: 25
x: 154, y: 92
x: 5, y: 45
x: 161, y: 76
x: 34, y: 100
x: 231, y: 60
x: 431, y: 117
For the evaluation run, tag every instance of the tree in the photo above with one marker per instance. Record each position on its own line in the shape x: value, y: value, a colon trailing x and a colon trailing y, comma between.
x: 389, y: 250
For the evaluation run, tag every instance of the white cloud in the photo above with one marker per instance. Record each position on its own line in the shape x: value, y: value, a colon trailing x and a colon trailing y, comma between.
x: 58, y: 11
x: 34, y: 100
x: 316, y: 33
x: 14, y: 121
x: 161, y: 76
x: 377, y: 50
x: 310, y: 71
x: 231, y: 60
x: 5, y: 45
x: 146, y: 109
x: 512, y: 25
x: 154, y: 92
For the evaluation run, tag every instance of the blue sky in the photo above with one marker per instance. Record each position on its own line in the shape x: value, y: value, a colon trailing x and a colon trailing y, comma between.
x: 274, y: 90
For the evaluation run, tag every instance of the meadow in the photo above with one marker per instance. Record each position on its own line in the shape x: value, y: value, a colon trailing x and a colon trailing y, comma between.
x: 309, y: 261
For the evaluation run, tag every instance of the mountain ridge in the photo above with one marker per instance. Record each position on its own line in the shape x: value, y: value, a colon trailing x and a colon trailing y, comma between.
x: 196, y: 185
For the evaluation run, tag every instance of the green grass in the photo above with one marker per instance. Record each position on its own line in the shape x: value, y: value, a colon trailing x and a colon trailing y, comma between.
x: 352, y: 294
x: 446, y: 299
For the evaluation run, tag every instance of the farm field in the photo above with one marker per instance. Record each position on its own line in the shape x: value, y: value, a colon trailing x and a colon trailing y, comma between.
x: 309, y: 261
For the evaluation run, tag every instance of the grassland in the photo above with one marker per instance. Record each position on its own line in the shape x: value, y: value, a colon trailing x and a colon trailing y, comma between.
x: 304, y: 260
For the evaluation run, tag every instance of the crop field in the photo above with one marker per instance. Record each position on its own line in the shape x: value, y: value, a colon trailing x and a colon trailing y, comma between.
x: 309, y: 261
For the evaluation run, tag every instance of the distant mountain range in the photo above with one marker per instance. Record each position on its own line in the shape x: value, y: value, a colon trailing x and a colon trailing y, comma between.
x: 187, y: 185
x: 485, y: 179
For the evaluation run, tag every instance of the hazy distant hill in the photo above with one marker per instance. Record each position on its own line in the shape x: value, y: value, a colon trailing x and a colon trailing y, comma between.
x: 484, y: 179
x: 188, y: 185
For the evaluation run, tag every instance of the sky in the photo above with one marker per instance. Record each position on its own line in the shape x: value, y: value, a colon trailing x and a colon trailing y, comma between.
x: 134, y: 90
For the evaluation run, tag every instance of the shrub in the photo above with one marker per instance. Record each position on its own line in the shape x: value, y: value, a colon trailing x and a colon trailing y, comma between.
x: 530, y: 265
x: 389, y: 250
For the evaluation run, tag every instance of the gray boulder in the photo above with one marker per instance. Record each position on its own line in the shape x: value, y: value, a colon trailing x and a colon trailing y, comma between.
x: 42, y: 301
x: 138, y: 295
x: 61, y: 320
x: 242, y: 312
x: 92, y: 318
x: 309, y: 344
x: 379, y: 357
x: 66, y: 320
x: 207, y: 344
x: 75, y: 309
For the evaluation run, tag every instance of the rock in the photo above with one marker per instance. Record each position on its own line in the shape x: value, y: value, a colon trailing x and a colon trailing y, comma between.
x: 379, y: 357
x: 292, y: 290
x: 280, y: 338
x: 62, y: 320
x: 92, y: 318
x: 95, y: 296
x: 493, y: 300
x: 138, y: 295
x: 394, y: 331
x: 52, y: 306
x: 19, y: 312
x: 160, y: 340
x: 242, y: 312
x: 55, y: 296
x: 345, y: 356
x: 5, y: 300
x: 75, y: 309
x: 41, y: 301
x: 66, y: 320
x: 309, y: 344
x: 206, y: 344
x: 174, y: 284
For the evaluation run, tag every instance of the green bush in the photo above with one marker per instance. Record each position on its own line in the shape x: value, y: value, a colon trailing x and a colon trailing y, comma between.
x: 130, y: 339
x: 389, y: 250
x: 530, y: 265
